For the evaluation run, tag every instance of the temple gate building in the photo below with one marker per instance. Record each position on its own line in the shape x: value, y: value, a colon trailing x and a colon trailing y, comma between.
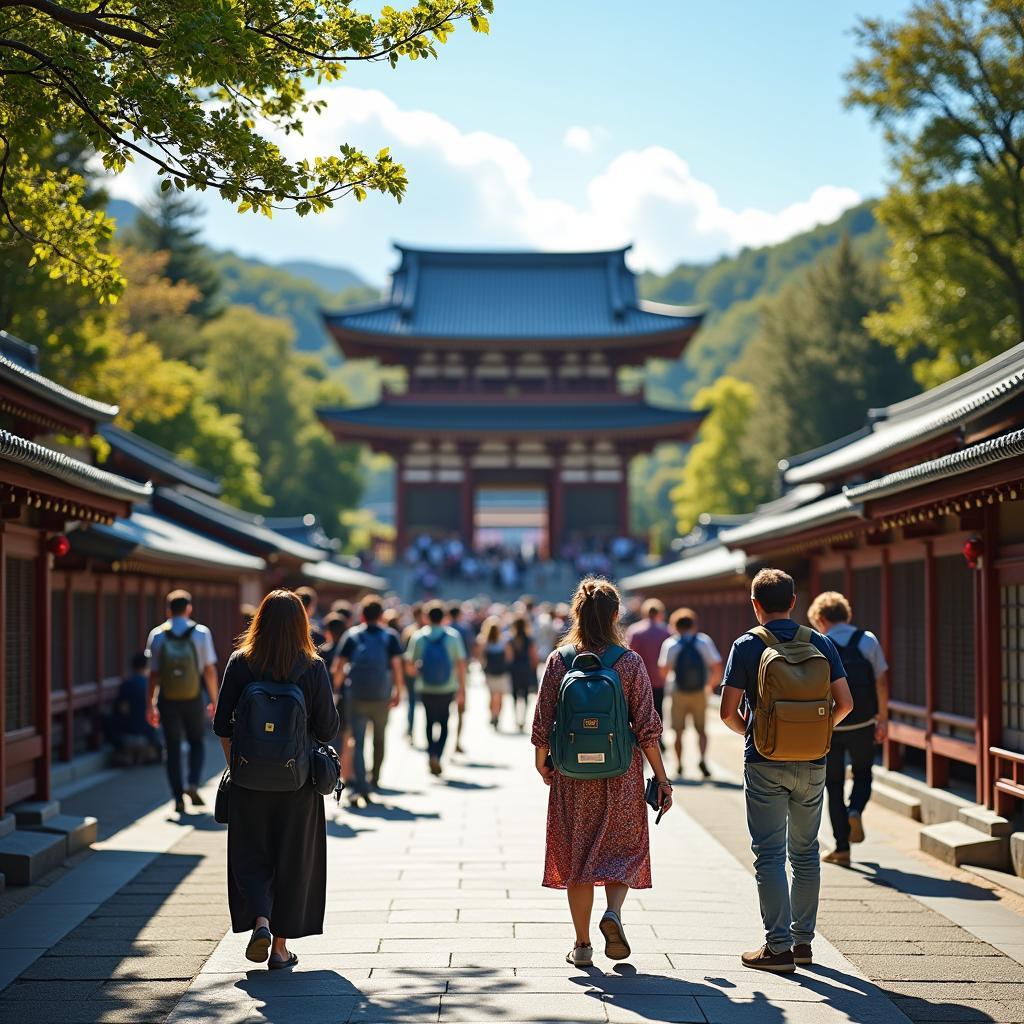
x: 513, y: 412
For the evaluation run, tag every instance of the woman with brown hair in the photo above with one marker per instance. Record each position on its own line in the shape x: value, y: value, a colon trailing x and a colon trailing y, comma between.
x: 277, y: 841
x: 597, y: 828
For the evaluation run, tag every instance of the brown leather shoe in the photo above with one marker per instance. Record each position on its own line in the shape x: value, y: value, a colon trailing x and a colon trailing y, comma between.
x: 764, y: 959
x: 840, y: 857
x: 802, y: 954
x: 856, y: 828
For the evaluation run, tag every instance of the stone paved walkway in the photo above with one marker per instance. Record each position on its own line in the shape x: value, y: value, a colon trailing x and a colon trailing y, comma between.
x: 435, y: 914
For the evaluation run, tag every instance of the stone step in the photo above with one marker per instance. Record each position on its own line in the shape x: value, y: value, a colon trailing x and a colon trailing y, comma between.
x: 937, y: 805
x: 7, y: 824
x: 26, y: 856
x: 35, y: 812
x: 79, y: 832
x: 986, y: 821
x: 956, y: 843
x: 896, y: 800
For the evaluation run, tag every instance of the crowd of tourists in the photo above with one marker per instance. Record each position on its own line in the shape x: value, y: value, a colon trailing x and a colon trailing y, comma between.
x: 805, y: 698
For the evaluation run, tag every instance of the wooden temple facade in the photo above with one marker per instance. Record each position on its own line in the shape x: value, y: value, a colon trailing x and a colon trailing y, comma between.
x: 88, y: 555
x: 511, y: 362
x: 919, y: 519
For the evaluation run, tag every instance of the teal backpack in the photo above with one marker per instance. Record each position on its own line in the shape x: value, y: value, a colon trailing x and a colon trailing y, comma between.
x: 591, y: 737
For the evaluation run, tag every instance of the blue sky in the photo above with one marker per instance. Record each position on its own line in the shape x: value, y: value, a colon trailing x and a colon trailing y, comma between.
x: 689, y: 128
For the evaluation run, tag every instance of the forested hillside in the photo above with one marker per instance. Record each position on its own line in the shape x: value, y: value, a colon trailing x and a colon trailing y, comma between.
x: 731, y: 289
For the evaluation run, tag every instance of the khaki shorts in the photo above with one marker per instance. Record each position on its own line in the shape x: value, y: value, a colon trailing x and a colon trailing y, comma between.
x: 689, y: 705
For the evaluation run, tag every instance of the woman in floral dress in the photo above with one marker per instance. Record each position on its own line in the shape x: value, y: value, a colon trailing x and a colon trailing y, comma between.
x: 597, y: 828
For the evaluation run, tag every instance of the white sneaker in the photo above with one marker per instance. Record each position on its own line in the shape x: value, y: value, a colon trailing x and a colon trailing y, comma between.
x: 580, y: 956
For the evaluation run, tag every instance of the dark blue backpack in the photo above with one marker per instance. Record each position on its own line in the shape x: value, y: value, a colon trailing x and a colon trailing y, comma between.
x: 435, y: 661
x: 691, y: 671
x: 369, y: 672
x: 860, y: 676
x: 270, y: 741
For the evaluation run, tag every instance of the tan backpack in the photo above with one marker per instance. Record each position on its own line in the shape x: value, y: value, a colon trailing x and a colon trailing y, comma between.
x: 793, y: 717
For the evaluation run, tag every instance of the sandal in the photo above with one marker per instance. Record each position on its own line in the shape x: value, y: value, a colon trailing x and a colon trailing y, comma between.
x: 259, y: 945
x: 280, y: 965
x: 615, y: 945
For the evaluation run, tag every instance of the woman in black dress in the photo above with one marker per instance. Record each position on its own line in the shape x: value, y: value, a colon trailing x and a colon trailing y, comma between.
x: 522, y: 663
x: 277, y: 841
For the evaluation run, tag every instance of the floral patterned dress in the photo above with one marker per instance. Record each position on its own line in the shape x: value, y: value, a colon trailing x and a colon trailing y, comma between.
x: 597, y: 828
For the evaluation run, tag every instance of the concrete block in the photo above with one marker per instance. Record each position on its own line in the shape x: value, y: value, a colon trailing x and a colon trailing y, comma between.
x: 956, y: 843
x: 985, y: 821
x: 937, y: 805
x: 27, y: 856
x: 78, y: 831
x: 896, y: 800
x: 1017, y: 853
x: 7, y: 824
x: 35, y: 812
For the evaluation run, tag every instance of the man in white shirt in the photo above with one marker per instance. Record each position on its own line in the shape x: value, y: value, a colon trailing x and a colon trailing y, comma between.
x: 182, y: 660
x: 855, y: 739
x: 691, y: 668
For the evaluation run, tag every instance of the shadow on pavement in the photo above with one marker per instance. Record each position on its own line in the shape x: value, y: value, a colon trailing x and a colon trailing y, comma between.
x: 863, y: 1004
x: 921, y: 885
x: 388, y: 812
x: 462, y: 784
x: 707, y: 783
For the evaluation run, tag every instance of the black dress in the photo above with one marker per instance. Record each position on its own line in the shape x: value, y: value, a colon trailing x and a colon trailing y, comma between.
x: 277, y: 842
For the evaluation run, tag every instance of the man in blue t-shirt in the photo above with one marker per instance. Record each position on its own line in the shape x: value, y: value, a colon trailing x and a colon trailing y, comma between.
x: 783, y: 798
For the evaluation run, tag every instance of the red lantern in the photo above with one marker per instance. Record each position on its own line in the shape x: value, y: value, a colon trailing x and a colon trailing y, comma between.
x: 974, y: 548
x: 58, y: 545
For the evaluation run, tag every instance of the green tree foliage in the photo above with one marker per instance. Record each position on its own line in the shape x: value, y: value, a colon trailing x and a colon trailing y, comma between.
x: 719, y: 477
x: 194, y: 89
x: 170, y: 224
x: 947, y: 85
x: 816, y: 368
x: 252, y: 371
x: 651, y: 481
x: 731, y: 290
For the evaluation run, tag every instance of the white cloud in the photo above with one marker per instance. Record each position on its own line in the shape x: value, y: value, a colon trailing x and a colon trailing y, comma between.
x: 476, y: 188
x: 579, y: 139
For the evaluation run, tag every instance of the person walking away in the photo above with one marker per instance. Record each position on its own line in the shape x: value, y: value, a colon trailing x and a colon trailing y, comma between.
x: 494, y: 656
x: 784, y: 691
x: 370, y: 657
x: 522, y: 663
x: 865, y: 666
x: 597, y: 826
x: 182, y: 660
x: 647, y: 636
x: 465, y: 630
x: 335, y: 627
x: 134, y: 740
x: 276, y: 699
x: 436, y: 659
x: 310, y: 599
x: 690, y: 664
x: 416, y: 614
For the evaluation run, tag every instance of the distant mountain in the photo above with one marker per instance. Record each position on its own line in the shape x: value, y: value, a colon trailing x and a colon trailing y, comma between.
x: 331, y: 279
x: 123, y: 211
x: 731, y: 290
x: 294, y: 291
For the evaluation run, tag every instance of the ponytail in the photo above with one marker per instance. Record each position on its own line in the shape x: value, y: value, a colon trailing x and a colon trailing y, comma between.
x: 594, y: 615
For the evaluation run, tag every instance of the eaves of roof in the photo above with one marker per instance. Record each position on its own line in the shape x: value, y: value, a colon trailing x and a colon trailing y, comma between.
x: 978, y: 456
x: 63, y: 467
x: 42, y: 387
x: 166, y: 463
x: 828, y: 511
x: 714, y: 563
x: 890, y: 436
x: 343, y: 575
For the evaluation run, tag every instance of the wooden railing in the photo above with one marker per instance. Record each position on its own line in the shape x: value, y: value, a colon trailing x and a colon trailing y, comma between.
x: 1007, y: 778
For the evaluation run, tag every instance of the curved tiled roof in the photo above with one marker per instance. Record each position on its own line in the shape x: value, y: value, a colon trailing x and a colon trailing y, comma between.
x: 343, y: 575
x: 43, y: 387
x: 514, y: 295
x: 162, y: 461
x: 916, y: 420
x: 712, y: 563
x: 56, y: 464
x: 998, y: 449
x: 835, y: 509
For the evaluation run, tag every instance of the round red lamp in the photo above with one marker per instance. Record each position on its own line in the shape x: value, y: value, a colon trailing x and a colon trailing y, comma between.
x: 973, y: 549
x: 58, y: 546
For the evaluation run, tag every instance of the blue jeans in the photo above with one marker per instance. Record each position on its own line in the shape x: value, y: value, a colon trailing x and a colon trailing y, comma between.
x: 784, y: 802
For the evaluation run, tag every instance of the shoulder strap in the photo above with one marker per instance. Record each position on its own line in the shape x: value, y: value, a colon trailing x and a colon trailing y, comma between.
x: 855, y: 640
x: 612, y: 655
x: 766, y: 636
x: 804, y: 635
x: 567, y: 652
